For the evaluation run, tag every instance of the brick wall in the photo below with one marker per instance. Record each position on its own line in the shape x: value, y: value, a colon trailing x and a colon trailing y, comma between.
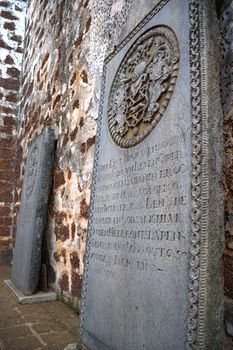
x: 12, y: 14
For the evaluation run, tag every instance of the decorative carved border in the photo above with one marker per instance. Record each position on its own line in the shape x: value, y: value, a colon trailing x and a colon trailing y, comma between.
x: 197, y: 262
x: 200, y: 183
x: 194, y: 262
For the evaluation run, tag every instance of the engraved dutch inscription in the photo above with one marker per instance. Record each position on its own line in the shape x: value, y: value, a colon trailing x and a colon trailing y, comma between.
x: 146, y: 264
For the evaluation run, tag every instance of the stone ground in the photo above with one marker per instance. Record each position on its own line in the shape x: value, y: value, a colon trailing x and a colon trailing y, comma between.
x: 50, y: 325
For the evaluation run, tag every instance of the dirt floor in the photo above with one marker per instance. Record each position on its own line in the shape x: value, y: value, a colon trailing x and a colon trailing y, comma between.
x: 49, y: 325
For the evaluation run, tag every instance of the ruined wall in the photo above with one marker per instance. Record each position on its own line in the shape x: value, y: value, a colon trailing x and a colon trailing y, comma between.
x: 226, y: 25
x: 12, y: 15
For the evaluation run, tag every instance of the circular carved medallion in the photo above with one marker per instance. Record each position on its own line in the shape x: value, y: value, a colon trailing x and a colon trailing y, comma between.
x: 143, y: 86
x: 32, y: 170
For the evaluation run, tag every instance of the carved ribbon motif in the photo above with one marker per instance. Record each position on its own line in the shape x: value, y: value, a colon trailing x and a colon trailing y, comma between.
x: 143, y: 86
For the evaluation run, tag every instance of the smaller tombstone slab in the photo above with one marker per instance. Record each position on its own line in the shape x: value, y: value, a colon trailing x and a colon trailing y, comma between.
x: 33, y: 210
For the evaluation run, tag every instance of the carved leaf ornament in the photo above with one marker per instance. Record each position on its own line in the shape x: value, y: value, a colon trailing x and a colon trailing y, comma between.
x: 143, y: 86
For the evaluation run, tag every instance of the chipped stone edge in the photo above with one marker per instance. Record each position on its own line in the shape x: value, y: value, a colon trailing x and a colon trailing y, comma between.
x: 38, y: 297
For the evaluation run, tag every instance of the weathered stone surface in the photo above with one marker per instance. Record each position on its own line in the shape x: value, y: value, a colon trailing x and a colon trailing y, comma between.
x: 153, y: 276
x: 33, y: 210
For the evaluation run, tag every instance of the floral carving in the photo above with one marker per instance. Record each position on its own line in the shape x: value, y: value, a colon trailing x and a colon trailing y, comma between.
x: 143, y: 86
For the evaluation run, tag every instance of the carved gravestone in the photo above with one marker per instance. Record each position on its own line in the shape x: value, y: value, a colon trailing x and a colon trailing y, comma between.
x: 153, y: 277
x: 33, y: 210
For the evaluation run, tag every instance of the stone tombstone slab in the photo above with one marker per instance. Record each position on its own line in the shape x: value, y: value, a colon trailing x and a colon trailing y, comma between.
x: 153, y: 277
x: 33, y: 212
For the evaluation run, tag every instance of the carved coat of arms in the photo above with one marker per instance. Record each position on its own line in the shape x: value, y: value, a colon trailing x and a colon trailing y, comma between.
x: 143, y: 86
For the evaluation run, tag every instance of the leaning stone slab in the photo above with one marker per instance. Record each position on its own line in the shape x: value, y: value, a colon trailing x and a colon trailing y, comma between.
x: 33, y: 212
x: 39, y: 297
x: 153, y: 271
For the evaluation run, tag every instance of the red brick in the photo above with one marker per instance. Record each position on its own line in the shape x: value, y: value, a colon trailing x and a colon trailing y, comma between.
x: 84, y: 209
x: 8, y: 15
x: 62, y: 233
x: 74, y: 260
x: 4, y: 4
x: 76, y: 284
x: 9, y: 121
x: 6, y: 197
x: 7, y: 175
x: 5, y: 221
x: 7, y: 110
x: 16, y: 38
x: 83, y: 147
x: 4, y: 45
x: 73, y: 134
x: 59, y: 217
x: 5, y: 164
x: 12, y: 97
x: 13, y: 72
x: 9, y: 25
x: 64, y: 283
x: 6, y: 143
x: 6, y: 186
x: 7, y: 130
x: 90, y: 142
x: 9, y: 59
x: 9, y: 84
x: 19, y: 49
x: 76, y: 104
x: 81, y: 123
x: 5, y: 231
x: 4, y: 243
x: 73, y: 229
x: 5, y: 211
x: 59, y: 179
x: 7, y: 153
